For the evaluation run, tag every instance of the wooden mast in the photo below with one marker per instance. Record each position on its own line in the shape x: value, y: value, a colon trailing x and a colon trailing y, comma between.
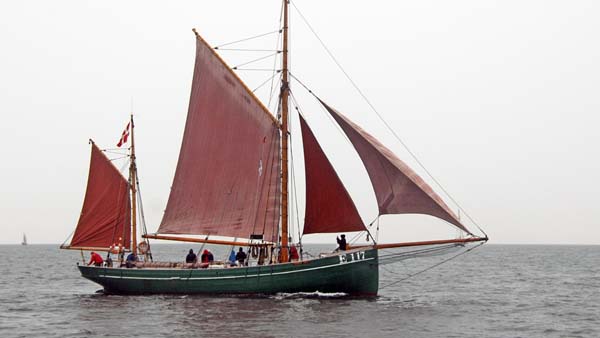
x: 284, y: 138
x: 132, y: 175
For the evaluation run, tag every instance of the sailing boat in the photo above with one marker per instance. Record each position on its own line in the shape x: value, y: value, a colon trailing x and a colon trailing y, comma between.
x: 240, y: 198
x: 24, y: 242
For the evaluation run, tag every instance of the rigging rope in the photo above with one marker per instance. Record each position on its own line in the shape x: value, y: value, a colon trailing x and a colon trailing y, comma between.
x: 377, y: 233
x: 116, y: 225
x: 266, y: 81
x: 249, y: 50
x: 270, y: 155
x: 273, y: 91
x: 294, y: 187
x: 392, y: 257
x: 118, y: 158
x: 432, y: 267
x: 125, y: 164
x: 123, y: 152
x: 382, y: 119
x: 278, y: 47
x: 68, y: 237
x: 246, y: 39
x: 337, y: 126
x: 329, y: 117
x: 141, y: 214
x: 355, y: 238
x: 291, y: 177
x: 259, y: 69
x: 255, y: 60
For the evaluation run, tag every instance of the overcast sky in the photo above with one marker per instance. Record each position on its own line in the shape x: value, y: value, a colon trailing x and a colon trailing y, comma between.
x: 499, y: 99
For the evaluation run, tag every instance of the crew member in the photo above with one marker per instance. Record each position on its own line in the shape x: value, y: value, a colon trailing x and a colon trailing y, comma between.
x: 341, y: 243
x: 96, y: 259
x: 294, y: 254
x: 207, y: 256
x: 191, y: 257
x: 241, y: 256
x: 231, y: 259
x: 131, y: 259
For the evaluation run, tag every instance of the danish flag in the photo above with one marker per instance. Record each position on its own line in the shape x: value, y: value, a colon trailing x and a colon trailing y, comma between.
x: 124, y: 136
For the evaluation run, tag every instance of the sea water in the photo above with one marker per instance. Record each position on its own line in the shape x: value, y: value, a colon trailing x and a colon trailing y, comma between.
x: 493, y: 291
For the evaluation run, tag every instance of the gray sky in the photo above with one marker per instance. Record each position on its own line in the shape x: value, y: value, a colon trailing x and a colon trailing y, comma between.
x: 499, y: 100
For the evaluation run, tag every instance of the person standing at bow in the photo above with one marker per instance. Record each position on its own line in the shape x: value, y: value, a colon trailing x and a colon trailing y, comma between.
x: 341, y: 243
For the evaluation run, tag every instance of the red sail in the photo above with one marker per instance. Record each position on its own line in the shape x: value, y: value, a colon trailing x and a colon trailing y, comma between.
x: 399, y: 190
x: 329, y: 207
x: 228, y: 174
x: 106, y: 213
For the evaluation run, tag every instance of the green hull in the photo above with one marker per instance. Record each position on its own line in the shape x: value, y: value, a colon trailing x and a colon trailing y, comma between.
x: 354, y: 273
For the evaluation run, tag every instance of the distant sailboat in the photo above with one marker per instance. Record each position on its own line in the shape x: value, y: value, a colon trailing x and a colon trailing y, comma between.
x: 24, y: 242
x: 232, y: 182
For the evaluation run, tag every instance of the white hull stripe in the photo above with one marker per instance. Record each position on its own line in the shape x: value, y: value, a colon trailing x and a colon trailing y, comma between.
x: 238, y: 276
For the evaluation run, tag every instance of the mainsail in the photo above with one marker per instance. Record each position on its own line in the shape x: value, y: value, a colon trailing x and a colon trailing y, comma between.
x: 227, y: 181
x: 106, y: 213
x: 329, y: 207
x: 399, y: 190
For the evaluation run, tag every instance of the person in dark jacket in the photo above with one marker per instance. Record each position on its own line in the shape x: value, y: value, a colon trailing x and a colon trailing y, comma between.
x: 191, y: 257
x: 341, y: 243
x: 241, y: 256
x: 132, y: 257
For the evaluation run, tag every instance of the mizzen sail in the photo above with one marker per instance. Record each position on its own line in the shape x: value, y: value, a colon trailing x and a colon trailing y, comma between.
x: 106, y: 213
x: 399, y: 190
x: 227, y: 181
x: 329, y: 207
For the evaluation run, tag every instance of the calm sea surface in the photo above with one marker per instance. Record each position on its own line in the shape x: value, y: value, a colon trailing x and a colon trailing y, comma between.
x: 494, y: 291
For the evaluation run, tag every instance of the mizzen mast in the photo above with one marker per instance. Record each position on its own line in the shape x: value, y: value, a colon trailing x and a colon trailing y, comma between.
x: 133, y: 185
x: 285, y: 91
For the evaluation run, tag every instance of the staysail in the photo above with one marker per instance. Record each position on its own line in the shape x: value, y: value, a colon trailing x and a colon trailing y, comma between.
x: 329, y: 207
x: 106, y: 213
x: 227, y: 181
x: 399, y: 190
